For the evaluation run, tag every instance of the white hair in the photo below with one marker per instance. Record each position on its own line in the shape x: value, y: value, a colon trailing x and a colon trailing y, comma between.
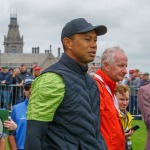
x: 109, y: 54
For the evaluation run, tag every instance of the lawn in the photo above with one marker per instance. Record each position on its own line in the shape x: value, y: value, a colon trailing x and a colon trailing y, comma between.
x: 138, y: 138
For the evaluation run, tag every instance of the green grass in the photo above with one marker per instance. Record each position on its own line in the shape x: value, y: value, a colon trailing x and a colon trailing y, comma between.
x: 7, y: 147
x: 138, y: 138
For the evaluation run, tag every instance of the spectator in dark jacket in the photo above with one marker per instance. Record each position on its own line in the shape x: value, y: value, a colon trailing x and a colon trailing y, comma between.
x: 15, y: 74
x: 22, y: 75
x: 5, y: 90
x: 145, y: 80
x: 67, y: 98
x: 134, y: 84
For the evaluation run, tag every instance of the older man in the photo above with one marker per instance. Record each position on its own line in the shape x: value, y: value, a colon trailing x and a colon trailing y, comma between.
x: 144, y: 106
x: 113, y: 69
x: 64, y: 103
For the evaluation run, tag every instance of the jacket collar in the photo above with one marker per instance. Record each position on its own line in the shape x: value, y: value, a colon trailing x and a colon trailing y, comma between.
x: 107, y: 80
x: 72, y: 64
x: 126, y: 114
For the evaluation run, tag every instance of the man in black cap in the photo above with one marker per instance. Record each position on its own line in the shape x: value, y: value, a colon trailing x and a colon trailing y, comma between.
x: 63, y: 111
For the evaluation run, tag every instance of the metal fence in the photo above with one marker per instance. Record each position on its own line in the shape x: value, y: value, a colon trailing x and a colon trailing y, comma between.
x: 12, y: 94
x: 133, y: 103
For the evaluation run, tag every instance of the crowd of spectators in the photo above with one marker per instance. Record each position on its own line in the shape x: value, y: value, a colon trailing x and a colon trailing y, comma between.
x: 67, y: 109
x: 134, y: 80
x: 15, y: 77
x: 11, y: 81
x: 65, y: 99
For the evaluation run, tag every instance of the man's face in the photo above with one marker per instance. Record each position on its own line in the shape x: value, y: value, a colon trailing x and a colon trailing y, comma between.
x: 145, y: 77
x: 27, y: 90
x: 133, y: 75
x: 118, y: 69
x: 140, y: 75
x: 23, y: 69
x: 82, y: 47
x: 123, y: 100
x: 4, y: 70
x: 37, y: 73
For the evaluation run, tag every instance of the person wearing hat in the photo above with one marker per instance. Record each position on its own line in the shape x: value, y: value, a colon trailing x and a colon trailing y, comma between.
x: 18, y: 115
x: 145, y: 80
x: 36, y: 71
x: 5, y: 91
x: 11, y: 70
x: 131, y: 72
x: 64, y: 104
x: 134, y: 85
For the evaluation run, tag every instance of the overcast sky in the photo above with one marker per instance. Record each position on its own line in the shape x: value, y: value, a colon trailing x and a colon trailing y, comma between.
x: 41, y: 21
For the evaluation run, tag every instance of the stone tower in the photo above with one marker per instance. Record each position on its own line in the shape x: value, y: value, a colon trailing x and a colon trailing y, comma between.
x: 13, y: 43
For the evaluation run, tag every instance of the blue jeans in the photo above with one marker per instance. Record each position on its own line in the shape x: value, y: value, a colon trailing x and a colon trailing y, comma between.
x: 133, y: 106
x: 4, y: 98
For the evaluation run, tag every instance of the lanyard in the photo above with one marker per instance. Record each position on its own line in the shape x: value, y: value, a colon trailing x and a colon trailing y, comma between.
x: 108, y: 89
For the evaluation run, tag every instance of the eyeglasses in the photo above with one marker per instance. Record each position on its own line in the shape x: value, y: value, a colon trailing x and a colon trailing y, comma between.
x: 27, y: 87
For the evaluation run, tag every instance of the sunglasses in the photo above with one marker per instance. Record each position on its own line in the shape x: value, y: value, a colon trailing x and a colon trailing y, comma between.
x: 27, y: 87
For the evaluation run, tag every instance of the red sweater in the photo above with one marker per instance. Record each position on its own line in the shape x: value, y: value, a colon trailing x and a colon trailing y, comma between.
x: 110, y: 125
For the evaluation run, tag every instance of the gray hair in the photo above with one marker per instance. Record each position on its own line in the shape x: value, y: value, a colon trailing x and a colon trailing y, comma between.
x: 109, y: 54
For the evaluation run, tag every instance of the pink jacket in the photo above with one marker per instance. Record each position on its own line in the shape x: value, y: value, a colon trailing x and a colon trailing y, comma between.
x: 144, y: 106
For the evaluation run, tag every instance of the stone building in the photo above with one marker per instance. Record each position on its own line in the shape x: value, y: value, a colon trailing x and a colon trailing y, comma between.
x: 13, y: 43
x: 13, y: 55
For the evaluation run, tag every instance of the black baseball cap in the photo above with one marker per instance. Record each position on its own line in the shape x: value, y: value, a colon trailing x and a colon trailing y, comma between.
x: 80, y: 25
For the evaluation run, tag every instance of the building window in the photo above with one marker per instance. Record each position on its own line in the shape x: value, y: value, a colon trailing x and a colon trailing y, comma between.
x: 13, y: 49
